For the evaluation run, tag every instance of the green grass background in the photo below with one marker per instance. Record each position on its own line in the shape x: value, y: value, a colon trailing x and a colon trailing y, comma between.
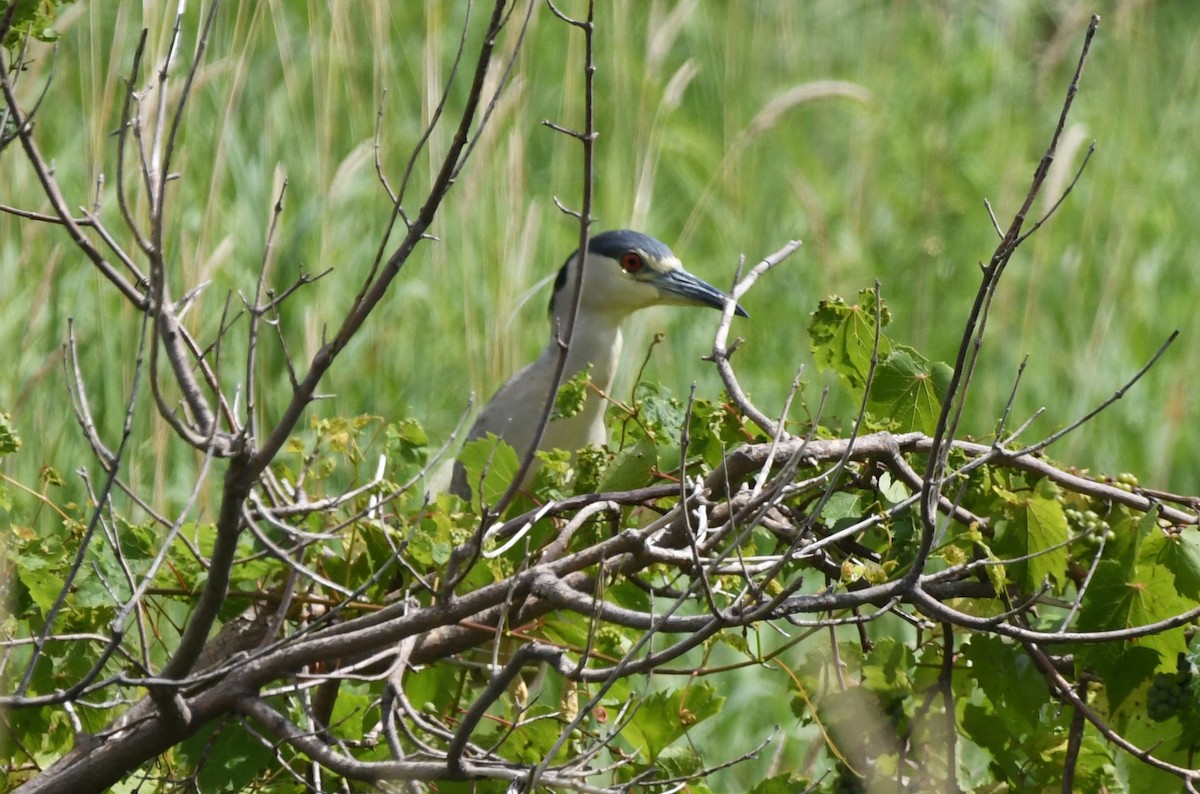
x: 947, y: 103
x: 708, y: 139
x: 700, y: 145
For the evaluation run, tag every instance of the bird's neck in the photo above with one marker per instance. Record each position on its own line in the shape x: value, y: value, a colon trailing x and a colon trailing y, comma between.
x: 596, y: 341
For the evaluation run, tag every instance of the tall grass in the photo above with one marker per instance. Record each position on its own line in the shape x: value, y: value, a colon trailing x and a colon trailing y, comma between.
x: 719, y: 132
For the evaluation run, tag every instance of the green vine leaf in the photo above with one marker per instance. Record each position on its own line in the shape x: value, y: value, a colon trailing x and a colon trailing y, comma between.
x: 843, y: 337
x: 10, y: 442
x: 666, y: 716
x: 1118, y: 600
x: 493, y: 460
x: 1178, y: 553
x: 906, y: 391
x: 572, y: 395
x: 632, y: 467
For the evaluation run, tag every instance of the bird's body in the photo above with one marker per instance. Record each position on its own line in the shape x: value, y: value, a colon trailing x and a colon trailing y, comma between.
x: 623, y: 271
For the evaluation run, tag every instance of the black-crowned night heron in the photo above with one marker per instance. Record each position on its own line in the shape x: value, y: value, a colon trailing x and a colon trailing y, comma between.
x: 623, y: 271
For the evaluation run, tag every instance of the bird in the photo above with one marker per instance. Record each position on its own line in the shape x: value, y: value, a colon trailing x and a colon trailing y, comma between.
x: 623, y: 271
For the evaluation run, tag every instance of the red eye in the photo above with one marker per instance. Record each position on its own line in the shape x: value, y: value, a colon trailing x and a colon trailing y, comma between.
x: 631, y: 262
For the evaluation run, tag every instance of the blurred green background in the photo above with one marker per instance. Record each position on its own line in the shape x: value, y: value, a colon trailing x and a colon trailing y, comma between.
x: 873, y: 131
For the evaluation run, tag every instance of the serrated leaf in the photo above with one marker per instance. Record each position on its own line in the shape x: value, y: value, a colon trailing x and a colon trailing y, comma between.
x: 660, y: 413
x: 666, y: 716
x: 1123, y: 669
x: 1178, y: 553
x: 887, y: 669
x: 632, y: 467
x: 1117, y: 599
x: 572, y: 395
x: 904, y: 391
x: 10, y: 442
x: 843, y: 337
x: 1011, y: 682
x: 1046, y: 525
x: 494, y: 460
x: 1035, y: 526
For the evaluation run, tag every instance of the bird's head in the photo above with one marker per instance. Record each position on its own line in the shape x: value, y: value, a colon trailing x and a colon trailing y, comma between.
x: 625, y: 271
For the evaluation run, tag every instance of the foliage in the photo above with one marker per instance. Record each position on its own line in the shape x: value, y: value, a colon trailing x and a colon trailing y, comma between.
x: 719, y: 598
x: 34, y: 19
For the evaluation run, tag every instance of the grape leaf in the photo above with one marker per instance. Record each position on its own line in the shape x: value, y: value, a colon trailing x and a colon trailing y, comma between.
x: 843, y: 337
x: 492, y: 459
x: 665, y: 716
x: 904, y: 390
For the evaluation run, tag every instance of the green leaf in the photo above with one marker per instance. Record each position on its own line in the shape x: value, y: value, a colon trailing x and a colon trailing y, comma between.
x: 1123, y: 669
x: 1117, y: 599
x: 888, y: 668
x: 787, y: 783
x: 904, y: 390
x: 349, y: 711
x: 842, y: 505
x: 534, y: 739
x: 42, y: 582
x: 225, y: 757
x: 1046, y: 525
x: 893, y: 491
x: 35, y: 19
x: 632, y: 467
x: 665, y: 716
x: 1011, y: 682
x: 407, y: 440
x: 10, y: 442
x: 1035, y: 526
x: 572, y: 395
x: 493, y: 460
x: 660, y: 413
x: 843, y: 337
x: 942, y: 373
x: 1178, y: 553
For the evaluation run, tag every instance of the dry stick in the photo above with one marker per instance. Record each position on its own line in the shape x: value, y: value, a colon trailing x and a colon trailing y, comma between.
x: 114, y: 540
x: 501, y: 83
x: 372, y: 295
x: 564, y: 335
x: 692, y: 540
x: 5, y: 26
x: 50, y: 187
x: 464, y: 557
x: 370, y: 771
x: 1117, y: 395
x: 168, y: 326
x: 945, y: 684
x: 721, y: 353
x: 973, y: 330
x: 932, y: 606
x: 251, y: 422
x: 492, y: 692
x: 1074, y: 741
x: 123, y: 138
x: 80, y: 402
x: 839, y: 467
x: 86, y: 538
